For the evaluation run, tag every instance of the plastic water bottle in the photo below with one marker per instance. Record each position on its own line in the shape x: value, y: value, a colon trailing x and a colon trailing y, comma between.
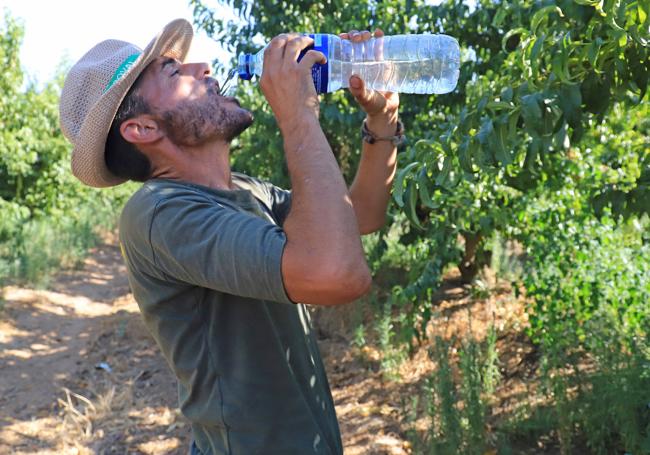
x: 399, y: 63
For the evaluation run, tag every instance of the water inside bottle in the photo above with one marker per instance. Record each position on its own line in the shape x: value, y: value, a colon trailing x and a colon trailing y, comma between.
x: 436, y: 75
x: 401, y: 63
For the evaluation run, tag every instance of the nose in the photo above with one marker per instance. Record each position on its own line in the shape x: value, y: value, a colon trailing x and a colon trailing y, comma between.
x: 198, y: 70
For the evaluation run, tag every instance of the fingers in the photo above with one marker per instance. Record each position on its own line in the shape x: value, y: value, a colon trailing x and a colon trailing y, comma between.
x: 286, y: 45
x: 312, y: 57
x: 275, y: 49
x: 360, y: 36
x: 379, y: 45
x: 362, y: 49
x: 294, y: 46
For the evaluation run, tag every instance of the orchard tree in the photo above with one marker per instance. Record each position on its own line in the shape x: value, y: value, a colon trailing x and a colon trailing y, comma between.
x: 33, y: 152
x: 35, y: 177
x: 536, y: 78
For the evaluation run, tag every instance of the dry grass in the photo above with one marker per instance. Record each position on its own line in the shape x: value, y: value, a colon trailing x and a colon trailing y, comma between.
x: 98, y: 424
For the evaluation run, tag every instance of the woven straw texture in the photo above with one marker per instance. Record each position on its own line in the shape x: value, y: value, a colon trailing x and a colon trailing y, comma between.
x: 87, y: 109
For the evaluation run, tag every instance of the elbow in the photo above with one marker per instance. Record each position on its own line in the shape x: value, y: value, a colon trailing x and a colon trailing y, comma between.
x: 334, y: 283
x: 369, y: 228
x: 348, y: 284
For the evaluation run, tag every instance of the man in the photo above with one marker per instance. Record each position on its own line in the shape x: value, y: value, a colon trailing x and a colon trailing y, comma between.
x: 218, y: 261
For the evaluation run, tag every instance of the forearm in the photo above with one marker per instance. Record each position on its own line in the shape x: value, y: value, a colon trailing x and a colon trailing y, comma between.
x: 320, y: 198
x: 323, y: 260
x: 370, y: 190
x: 321, y: 228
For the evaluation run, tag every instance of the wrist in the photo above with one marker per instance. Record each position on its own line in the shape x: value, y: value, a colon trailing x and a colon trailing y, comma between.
x: 396, y: 137
x: 298, y: 124
x: 382, y: 124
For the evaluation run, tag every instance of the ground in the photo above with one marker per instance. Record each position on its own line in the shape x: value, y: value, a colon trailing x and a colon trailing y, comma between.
x: 80, y: 374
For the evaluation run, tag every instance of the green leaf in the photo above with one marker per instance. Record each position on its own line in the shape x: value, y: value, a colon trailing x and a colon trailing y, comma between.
x: 534, y: 54
x: 442, y: 177
x: 532, y: 153
x: 513, y: 120
x: 498, y: 105
x: 398, y: 188
x: 506, y: 94
x: 465, y: 156
x: 482, y: 103
x: 594, y: 50
x: 499, y: 17
x: 516, y: 31
x: 531, y: 112
x: 500, y: 144
x: 487, y: 127
x: 570, y: 101
x: 411, y: 204
x: 542, y: 14
x: 557, y: 64
x: 643, y: 14
x: 423, y: 186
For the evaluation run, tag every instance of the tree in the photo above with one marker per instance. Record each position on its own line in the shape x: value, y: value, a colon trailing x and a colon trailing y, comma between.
x: 42, y: 205
x: 535, y: 76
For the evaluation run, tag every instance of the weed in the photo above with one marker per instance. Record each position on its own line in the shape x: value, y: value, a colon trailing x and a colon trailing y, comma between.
x: 359, y: 339
x: 392, y: 355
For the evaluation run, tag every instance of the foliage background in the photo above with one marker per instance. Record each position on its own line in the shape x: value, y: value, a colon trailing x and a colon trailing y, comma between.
x: 47, y: 217
x: 544, y: 145
x: 537, y: 165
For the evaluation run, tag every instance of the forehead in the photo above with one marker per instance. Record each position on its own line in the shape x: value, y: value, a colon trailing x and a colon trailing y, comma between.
x: 152, y: 74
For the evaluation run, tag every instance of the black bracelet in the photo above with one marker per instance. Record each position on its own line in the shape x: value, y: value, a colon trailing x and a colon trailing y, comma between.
x: 371, y: 137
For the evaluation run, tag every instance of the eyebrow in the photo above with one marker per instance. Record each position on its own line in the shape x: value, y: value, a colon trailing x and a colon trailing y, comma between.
x: 167, y: 61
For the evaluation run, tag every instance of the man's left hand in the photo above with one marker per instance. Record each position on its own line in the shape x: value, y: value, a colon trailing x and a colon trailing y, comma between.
x: 381, y: 107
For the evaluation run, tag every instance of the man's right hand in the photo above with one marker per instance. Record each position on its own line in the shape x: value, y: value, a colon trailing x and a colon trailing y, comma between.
x: 287, y: 84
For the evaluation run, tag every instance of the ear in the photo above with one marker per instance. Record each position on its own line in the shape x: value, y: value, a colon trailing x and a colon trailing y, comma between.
x: 142, y: 129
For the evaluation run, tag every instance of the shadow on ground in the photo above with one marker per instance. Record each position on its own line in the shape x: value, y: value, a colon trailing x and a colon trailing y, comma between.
x: 80, y: 374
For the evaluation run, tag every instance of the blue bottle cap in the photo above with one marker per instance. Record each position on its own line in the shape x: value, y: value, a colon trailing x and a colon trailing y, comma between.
x: 243, y: 67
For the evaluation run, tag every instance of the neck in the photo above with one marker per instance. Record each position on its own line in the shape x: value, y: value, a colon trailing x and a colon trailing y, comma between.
x: 207, y: 165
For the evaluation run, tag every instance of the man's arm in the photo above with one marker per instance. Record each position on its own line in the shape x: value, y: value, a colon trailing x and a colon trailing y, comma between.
x: 370, y: 190
x: 323, y: 260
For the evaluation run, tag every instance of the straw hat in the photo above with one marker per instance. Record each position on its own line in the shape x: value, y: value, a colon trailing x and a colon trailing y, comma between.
x: 95, y: 88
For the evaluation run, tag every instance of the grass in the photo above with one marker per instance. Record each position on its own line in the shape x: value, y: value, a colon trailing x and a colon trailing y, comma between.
x: 42, y: 246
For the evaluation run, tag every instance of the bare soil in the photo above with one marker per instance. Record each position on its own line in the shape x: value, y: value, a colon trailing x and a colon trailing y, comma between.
x: 79, y: 374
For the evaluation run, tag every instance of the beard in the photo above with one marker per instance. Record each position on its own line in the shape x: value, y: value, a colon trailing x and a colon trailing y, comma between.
x: 213, y: 118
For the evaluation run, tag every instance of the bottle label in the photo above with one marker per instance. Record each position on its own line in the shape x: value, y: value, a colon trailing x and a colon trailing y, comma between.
x: 319, y: 72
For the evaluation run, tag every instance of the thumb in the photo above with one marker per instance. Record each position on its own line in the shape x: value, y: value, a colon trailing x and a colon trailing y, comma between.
x: 369, y: 100
x: 312, y: 57
x: 358, y: 88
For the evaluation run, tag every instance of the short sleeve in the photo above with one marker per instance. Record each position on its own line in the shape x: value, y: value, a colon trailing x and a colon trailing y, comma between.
x: 203, y: 243
x: 280, y: 202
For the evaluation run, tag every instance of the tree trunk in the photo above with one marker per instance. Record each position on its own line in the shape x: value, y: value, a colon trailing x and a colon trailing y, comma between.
x: 469, y: 266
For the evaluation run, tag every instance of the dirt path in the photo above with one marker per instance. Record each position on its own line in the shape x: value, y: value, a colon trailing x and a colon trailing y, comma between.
x: 44, y: 334
x: 55, y: 396
x: 80, y: 375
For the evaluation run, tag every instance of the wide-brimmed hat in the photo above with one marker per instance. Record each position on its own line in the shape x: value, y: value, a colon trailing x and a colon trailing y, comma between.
x: 95, y: 87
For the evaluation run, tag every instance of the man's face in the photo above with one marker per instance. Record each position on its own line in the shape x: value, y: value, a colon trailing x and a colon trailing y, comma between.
x: 187, y: 103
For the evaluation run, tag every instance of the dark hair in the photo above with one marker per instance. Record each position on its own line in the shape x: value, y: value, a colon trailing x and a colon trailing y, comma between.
x: 123, y: 158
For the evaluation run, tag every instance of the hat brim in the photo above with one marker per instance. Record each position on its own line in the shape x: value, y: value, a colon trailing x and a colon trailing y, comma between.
x: 88, y: 163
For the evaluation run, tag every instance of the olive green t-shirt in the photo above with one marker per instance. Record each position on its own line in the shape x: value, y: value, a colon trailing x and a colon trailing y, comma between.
x: 204, y: 267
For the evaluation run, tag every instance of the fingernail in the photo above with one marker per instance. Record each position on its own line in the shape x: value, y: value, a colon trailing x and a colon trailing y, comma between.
x: 355, y: 82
